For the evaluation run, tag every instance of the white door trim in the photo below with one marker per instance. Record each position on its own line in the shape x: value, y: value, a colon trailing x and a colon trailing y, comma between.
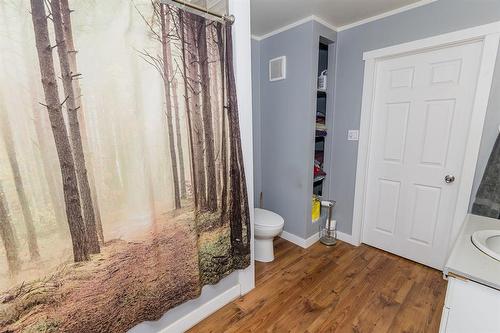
x: 490, y: 36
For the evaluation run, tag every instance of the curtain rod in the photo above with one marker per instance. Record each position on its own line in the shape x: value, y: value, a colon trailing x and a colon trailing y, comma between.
x: 225, y: 18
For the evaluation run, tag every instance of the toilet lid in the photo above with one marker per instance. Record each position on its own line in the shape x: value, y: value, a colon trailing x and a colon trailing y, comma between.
x: 266, y: 218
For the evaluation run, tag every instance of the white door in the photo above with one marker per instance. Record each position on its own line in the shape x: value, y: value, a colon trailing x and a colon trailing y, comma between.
x: 421, y: 118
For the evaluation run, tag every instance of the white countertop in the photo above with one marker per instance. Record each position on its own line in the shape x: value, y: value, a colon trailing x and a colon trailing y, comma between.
x: 468, y: 261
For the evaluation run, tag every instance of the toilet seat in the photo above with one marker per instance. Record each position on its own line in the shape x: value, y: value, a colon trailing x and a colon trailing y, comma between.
x: 267, y: 219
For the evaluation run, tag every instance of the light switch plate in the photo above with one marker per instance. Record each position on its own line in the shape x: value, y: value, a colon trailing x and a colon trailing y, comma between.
x: 353, y: 135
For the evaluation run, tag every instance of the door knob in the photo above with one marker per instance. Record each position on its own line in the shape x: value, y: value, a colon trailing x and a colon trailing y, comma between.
x: 449, y: 179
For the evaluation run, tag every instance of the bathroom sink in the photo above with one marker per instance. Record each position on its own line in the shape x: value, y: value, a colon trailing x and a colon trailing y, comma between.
x: 488, y: 241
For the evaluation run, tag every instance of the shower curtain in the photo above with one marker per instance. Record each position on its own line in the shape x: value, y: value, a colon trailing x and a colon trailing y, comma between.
x: 122, y: 187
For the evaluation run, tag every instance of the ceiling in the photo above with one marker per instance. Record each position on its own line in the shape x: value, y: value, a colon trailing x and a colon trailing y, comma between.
x: 270, y: 15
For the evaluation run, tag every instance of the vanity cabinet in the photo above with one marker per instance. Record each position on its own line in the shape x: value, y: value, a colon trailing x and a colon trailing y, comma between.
x: 470, y: 307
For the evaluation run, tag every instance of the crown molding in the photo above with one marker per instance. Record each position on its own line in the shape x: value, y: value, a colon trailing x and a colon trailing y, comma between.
x: 295, y: 24
x: 285, y: 28
x: 324, y: 22
x: 344, y: 27
x: 386, y: 14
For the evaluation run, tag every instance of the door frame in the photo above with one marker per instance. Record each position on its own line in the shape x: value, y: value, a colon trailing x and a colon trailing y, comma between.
x: 489, y: 35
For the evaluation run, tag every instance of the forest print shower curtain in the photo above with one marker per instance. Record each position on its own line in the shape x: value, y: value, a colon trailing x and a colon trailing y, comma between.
x: 122, y: 188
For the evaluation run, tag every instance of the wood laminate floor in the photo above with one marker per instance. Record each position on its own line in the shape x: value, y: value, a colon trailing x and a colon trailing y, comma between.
x: 335, y: 289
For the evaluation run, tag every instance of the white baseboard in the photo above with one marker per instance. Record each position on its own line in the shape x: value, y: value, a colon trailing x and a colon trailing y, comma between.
x: 302, y: 242
x: 194, y: 317
x: 346, y: 238
x: 311, y: 240
x: 305, y: 243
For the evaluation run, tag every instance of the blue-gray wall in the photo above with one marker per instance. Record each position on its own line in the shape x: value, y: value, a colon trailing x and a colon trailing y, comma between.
x: 436, y: 18
x: 287, y: 114
x: 285, y: 123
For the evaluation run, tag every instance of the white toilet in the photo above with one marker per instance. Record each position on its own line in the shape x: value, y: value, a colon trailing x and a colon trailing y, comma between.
x: 267, y: 226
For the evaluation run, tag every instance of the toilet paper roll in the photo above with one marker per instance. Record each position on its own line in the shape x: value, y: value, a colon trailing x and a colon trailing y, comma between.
x: 332, y: 226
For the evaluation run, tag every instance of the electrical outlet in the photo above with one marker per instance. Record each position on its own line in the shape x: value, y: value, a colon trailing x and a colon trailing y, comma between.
x: 353, y: 135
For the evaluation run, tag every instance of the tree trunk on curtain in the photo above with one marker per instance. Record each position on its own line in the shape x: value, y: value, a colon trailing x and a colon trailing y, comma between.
x: 207, y: 114
x: 239, y: 196
x: 187, y: 104
x: 74, y: 130
x: 7, y: 235
x: 177, y: 112
x: 167, y: 60
x: 180, y: 150
x: 68, y: 36
x: 54, y: 108
x: 47, y: 156
x: 193, y: 81
x: 217, y: 106
x: 224, y: 177
x: 20, y: 186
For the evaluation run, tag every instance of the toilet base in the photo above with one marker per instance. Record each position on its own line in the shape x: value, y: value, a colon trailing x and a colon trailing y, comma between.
x: 264, y: 251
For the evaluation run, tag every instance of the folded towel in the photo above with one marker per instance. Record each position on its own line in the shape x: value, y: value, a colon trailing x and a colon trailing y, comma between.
x: 320, y: 126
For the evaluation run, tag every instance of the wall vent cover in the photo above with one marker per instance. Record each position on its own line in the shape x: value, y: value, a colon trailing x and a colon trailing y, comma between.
x: 277, y: 69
